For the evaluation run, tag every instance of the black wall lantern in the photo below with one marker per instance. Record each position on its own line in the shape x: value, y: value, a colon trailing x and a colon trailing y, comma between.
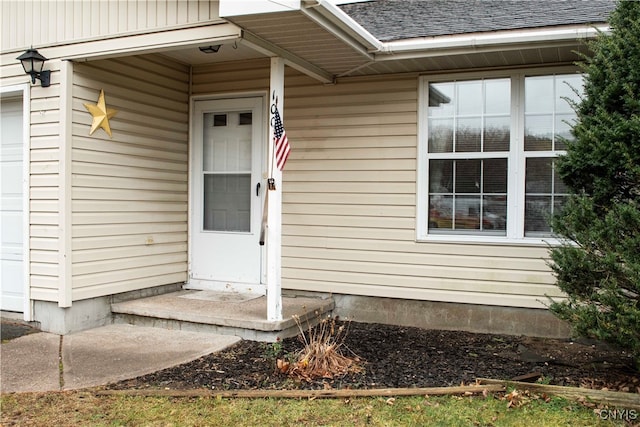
x: 32, y: 62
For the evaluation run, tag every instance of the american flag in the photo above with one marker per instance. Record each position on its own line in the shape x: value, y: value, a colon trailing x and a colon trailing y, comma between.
x: 280, y: 138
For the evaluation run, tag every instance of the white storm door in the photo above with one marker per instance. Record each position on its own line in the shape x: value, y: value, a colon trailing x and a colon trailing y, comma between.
x: 227, y: 190
x: 11, y: 212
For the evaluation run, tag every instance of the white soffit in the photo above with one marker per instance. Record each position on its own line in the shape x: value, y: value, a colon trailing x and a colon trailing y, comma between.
x: 301, y: 40
x: 321, y: 45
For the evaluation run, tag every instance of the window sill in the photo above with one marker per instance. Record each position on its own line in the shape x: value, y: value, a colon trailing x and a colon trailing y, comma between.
x: 489, y: 240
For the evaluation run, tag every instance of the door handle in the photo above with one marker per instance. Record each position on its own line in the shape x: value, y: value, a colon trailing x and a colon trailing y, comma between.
x: 258, y: 189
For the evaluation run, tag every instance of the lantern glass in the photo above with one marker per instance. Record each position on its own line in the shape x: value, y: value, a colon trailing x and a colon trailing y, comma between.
x: 32, y: 61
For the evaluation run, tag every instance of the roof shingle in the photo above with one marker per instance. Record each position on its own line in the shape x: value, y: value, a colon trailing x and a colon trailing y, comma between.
x: 390, y: 20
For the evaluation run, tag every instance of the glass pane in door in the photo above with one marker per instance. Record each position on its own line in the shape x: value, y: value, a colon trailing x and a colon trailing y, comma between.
x: 226, y: 168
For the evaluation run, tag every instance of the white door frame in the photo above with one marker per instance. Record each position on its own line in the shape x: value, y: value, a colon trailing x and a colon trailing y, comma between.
x: 192, y: 226
x: 24, y: 91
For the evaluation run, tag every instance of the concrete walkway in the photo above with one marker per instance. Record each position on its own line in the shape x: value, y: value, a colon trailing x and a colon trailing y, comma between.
x: 48, y: 362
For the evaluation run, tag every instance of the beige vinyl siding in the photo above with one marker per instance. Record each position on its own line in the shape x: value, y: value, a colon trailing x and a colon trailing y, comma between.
x: 47, y: 22
x: 129, y: 192
x: 233, y: 78
x: 349, y: 205
x: 44, y: 179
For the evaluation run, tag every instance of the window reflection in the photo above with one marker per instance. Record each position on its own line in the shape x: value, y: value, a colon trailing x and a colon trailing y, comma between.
x: 468, y: 194
x: 496, y: 133
x: 548, y: 110
x: 549, y: 116
x: 545, y: 193
x: 469, y: 116
x: 469, y: 98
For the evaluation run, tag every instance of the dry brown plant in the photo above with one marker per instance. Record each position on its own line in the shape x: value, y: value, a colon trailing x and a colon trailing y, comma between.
x: 322, y: 355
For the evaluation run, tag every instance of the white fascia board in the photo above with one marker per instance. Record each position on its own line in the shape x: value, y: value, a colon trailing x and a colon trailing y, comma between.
x: 347, y: 25
x: 231, y: 8
x: 498, y: 40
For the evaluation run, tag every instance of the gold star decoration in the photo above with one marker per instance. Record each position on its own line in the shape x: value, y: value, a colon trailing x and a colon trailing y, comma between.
x: 101, y: 115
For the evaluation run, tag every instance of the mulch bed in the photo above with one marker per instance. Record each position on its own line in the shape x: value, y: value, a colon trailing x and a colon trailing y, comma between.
x: 10, y: 330
x: 397, y: 356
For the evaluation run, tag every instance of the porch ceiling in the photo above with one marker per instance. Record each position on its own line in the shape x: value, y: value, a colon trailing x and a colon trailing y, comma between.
x: 230, y: 50
x: 299, y: 35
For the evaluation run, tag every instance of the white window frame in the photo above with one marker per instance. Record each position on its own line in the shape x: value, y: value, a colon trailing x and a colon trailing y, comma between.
x: 516, y: 159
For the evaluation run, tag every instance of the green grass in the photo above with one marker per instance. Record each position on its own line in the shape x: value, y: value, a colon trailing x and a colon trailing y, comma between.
x: 86, y: 409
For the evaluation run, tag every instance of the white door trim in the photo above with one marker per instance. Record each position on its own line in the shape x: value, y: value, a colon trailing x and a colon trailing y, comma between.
x: 192, y: 228
x: 24, y: 90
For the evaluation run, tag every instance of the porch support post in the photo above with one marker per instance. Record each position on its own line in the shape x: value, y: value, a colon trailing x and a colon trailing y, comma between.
x: 65, y: 283
x: 274, y: 224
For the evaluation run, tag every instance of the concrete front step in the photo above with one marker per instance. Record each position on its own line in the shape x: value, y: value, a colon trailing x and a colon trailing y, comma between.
x: 228, y: 313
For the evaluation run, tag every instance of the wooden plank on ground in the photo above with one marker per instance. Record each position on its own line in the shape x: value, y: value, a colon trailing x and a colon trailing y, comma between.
x: 310, y: 394
x: 612, y: 398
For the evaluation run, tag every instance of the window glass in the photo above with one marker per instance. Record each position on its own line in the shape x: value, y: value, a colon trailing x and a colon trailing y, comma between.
x: 545, y: 193
x: 468, y: 194
x: 471, y: 160
x: 568, y: 88
x: 467, y: 176
x: 440, y: 135
x: 440, y: 99
x: 497, y: 133
x: 469, y: 116
x: 469, y: 98
x: 226, y: 170
x: 493, y: 178
x: 441, y: 113
x: 468, y: 134
x: 227, y: 202
x: 538, y: 132
x: 245, y: 119
x: 539, y: 175
x: 219, y: 120
x: 441, y: 176
x: 563, y: 130
x: 539, y: 94
x: 548, y: 110
x: 497, y: 97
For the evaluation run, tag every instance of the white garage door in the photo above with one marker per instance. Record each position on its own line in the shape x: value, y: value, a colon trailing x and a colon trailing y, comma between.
x: 11, y: 210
